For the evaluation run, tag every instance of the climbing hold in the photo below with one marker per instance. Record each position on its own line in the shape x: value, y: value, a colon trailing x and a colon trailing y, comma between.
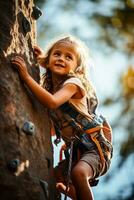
x: 26, y: 25
x: 36, y: 12
x: 44, y: 186
x: 12, y: 165
x: 28, y: 128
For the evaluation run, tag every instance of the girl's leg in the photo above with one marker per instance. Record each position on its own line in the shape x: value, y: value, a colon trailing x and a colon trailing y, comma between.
x: 81, y: 174
x: 61, y: 179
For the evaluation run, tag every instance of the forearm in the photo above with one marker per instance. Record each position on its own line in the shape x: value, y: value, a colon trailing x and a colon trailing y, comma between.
x: 41, y: 94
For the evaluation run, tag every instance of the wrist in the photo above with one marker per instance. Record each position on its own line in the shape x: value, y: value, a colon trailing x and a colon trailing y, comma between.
x: 27, y: 78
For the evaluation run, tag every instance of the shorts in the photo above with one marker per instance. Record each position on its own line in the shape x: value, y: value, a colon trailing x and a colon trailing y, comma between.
x: 93, y: 159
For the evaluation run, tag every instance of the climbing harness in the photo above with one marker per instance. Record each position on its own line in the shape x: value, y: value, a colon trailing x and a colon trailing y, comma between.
x: 85, y: 126
x: 89, y: 133
x: 87, y: 130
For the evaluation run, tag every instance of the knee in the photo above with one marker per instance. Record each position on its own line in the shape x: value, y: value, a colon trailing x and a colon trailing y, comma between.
x: 78, y: 174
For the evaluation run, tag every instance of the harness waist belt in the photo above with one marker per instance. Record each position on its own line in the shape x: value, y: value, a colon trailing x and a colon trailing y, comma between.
x: 97, y: 121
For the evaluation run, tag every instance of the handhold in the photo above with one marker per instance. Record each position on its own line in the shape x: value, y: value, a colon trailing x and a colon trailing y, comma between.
x: 29, y: 128
x: 13, y: 165
x: 44, y: 186
x: 36, y: 12
x: 26, y: 25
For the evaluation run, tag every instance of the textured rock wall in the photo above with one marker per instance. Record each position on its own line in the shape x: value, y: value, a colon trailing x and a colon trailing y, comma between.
x: 25, y: 157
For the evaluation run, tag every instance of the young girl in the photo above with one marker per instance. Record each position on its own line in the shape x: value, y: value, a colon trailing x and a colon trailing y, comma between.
x: 65, y: 87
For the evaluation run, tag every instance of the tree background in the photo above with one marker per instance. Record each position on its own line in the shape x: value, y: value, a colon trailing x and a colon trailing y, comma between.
x: 107, y: 27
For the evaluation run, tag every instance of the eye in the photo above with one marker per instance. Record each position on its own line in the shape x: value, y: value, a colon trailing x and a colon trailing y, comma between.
x: 56, y: 53
x: 69, y: 57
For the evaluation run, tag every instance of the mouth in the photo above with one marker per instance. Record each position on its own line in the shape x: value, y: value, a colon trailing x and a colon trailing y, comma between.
x: 59, y: 65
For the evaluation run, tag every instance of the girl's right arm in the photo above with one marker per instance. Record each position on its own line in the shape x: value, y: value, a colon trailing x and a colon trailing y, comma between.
x: 46, y: 98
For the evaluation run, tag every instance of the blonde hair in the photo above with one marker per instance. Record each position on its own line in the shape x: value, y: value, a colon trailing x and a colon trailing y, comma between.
x: 83, y: 61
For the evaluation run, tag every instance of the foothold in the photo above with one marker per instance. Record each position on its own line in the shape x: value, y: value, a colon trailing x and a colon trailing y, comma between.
x: 26, y: 25
x: 36, y: 12
x: 29, y: 128
x: 13, y: 165
x: 44, y: 186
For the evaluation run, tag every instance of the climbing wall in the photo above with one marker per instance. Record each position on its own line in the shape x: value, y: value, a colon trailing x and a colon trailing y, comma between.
x: 25, y: 145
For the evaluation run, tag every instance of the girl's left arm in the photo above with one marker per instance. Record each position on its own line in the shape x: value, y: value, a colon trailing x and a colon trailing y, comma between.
x: 46, y: 98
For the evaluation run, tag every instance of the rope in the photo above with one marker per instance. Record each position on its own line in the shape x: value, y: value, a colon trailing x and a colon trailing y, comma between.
x: 69, y: 167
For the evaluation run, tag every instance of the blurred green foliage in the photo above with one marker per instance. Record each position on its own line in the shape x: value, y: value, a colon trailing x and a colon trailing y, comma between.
x: 115, y: 23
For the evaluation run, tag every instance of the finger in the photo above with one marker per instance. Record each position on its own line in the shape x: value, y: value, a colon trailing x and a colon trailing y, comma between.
x: 36, y: 47
x: 17, y: 62
x: 17, y: 58
x: 16, y: 65
x: 20, y: 59
x: 14, y: 60
x: 37, y: 50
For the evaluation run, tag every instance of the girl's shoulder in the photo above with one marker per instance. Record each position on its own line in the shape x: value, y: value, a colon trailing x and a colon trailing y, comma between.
x: 76, y: 81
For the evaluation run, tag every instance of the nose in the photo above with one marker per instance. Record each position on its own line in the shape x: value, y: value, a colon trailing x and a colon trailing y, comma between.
x: 61, y: 58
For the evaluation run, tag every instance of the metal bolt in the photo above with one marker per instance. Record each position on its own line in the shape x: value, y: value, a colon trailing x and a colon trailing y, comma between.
x: 13, y: 165
x: 29, y: 128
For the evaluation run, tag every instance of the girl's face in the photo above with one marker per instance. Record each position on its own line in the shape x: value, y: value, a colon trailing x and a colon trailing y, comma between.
x: 63, y: 58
